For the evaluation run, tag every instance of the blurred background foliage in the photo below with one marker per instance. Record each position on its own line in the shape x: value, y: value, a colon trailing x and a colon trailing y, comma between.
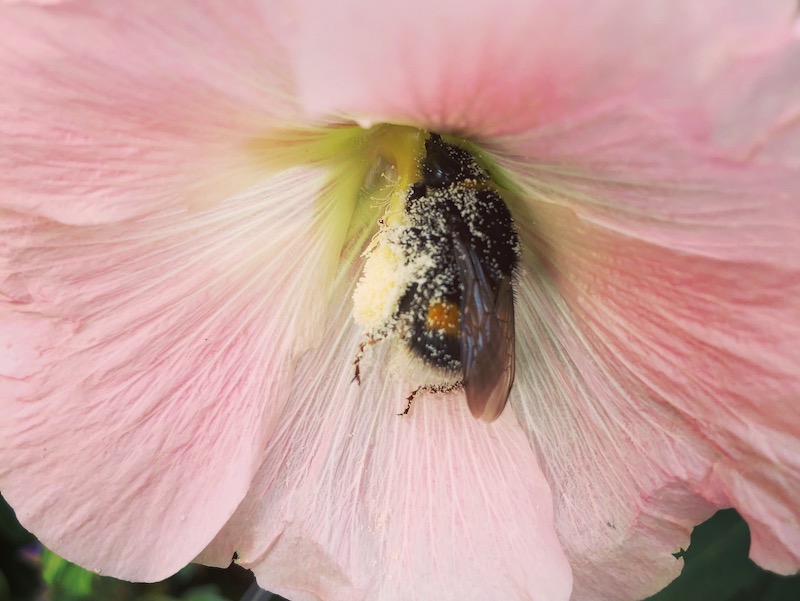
x: 716, y: 569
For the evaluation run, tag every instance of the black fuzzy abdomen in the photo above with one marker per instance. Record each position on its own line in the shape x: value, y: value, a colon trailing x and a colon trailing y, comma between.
x: 437, y: 347
x: 455, y: 201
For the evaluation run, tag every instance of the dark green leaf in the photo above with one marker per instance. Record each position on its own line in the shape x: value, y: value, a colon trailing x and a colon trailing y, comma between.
x: 717, y: 567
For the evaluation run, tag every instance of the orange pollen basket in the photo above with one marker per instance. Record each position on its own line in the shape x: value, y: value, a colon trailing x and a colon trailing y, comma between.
x: 444, y: 316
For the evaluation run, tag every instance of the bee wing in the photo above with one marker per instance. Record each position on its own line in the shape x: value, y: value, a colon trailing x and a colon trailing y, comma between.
x: 487, y: 336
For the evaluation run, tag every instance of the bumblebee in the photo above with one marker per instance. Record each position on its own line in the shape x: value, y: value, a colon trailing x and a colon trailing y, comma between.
x: 460, y: 252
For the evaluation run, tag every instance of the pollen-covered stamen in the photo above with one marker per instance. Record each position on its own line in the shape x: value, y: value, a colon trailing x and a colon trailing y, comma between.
x: 401, y: 149
x: 388, y: 269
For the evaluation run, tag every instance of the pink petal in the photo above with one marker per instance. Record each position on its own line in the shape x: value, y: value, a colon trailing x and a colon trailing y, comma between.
x: 757, y: 107
x: 145, y: 340
x: 482, y: 68
x: 111, y: 110
x: 356, y: 502
x: 151, y: 360
x: 657, y: 338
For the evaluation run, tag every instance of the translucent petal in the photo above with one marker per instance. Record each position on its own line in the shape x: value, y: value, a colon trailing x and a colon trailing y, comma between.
x: 151, y: 361
x: 484, y: 69
x: 356, y: 502
x: 111, y: 110
x: 657, y: 356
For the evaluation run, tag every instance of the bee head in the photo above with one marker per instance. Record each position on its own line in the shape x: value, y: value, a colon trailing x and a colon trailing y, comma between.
x: 446, y: 164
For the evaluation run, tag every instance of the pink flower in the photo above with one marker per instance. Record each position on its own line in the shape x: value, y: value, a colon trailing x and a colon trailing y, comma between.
x: 182, y: 222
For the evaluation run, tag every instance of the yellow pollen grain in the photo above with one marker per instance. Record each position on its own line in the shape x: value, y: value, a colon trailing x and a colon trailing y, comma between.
x: 379, y: 288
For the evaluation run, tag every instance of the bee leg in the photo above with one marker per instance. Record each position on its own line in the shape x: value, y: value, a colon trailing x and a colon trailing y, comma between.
x: 434, y: 388
x: 410, y: 398
x: 369, y: 340
x: 357, y: 362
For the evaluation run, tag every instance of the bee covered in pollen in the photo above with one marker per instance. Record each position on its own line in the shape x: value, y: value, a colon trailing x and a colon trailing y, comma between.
x: 439, y: 276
